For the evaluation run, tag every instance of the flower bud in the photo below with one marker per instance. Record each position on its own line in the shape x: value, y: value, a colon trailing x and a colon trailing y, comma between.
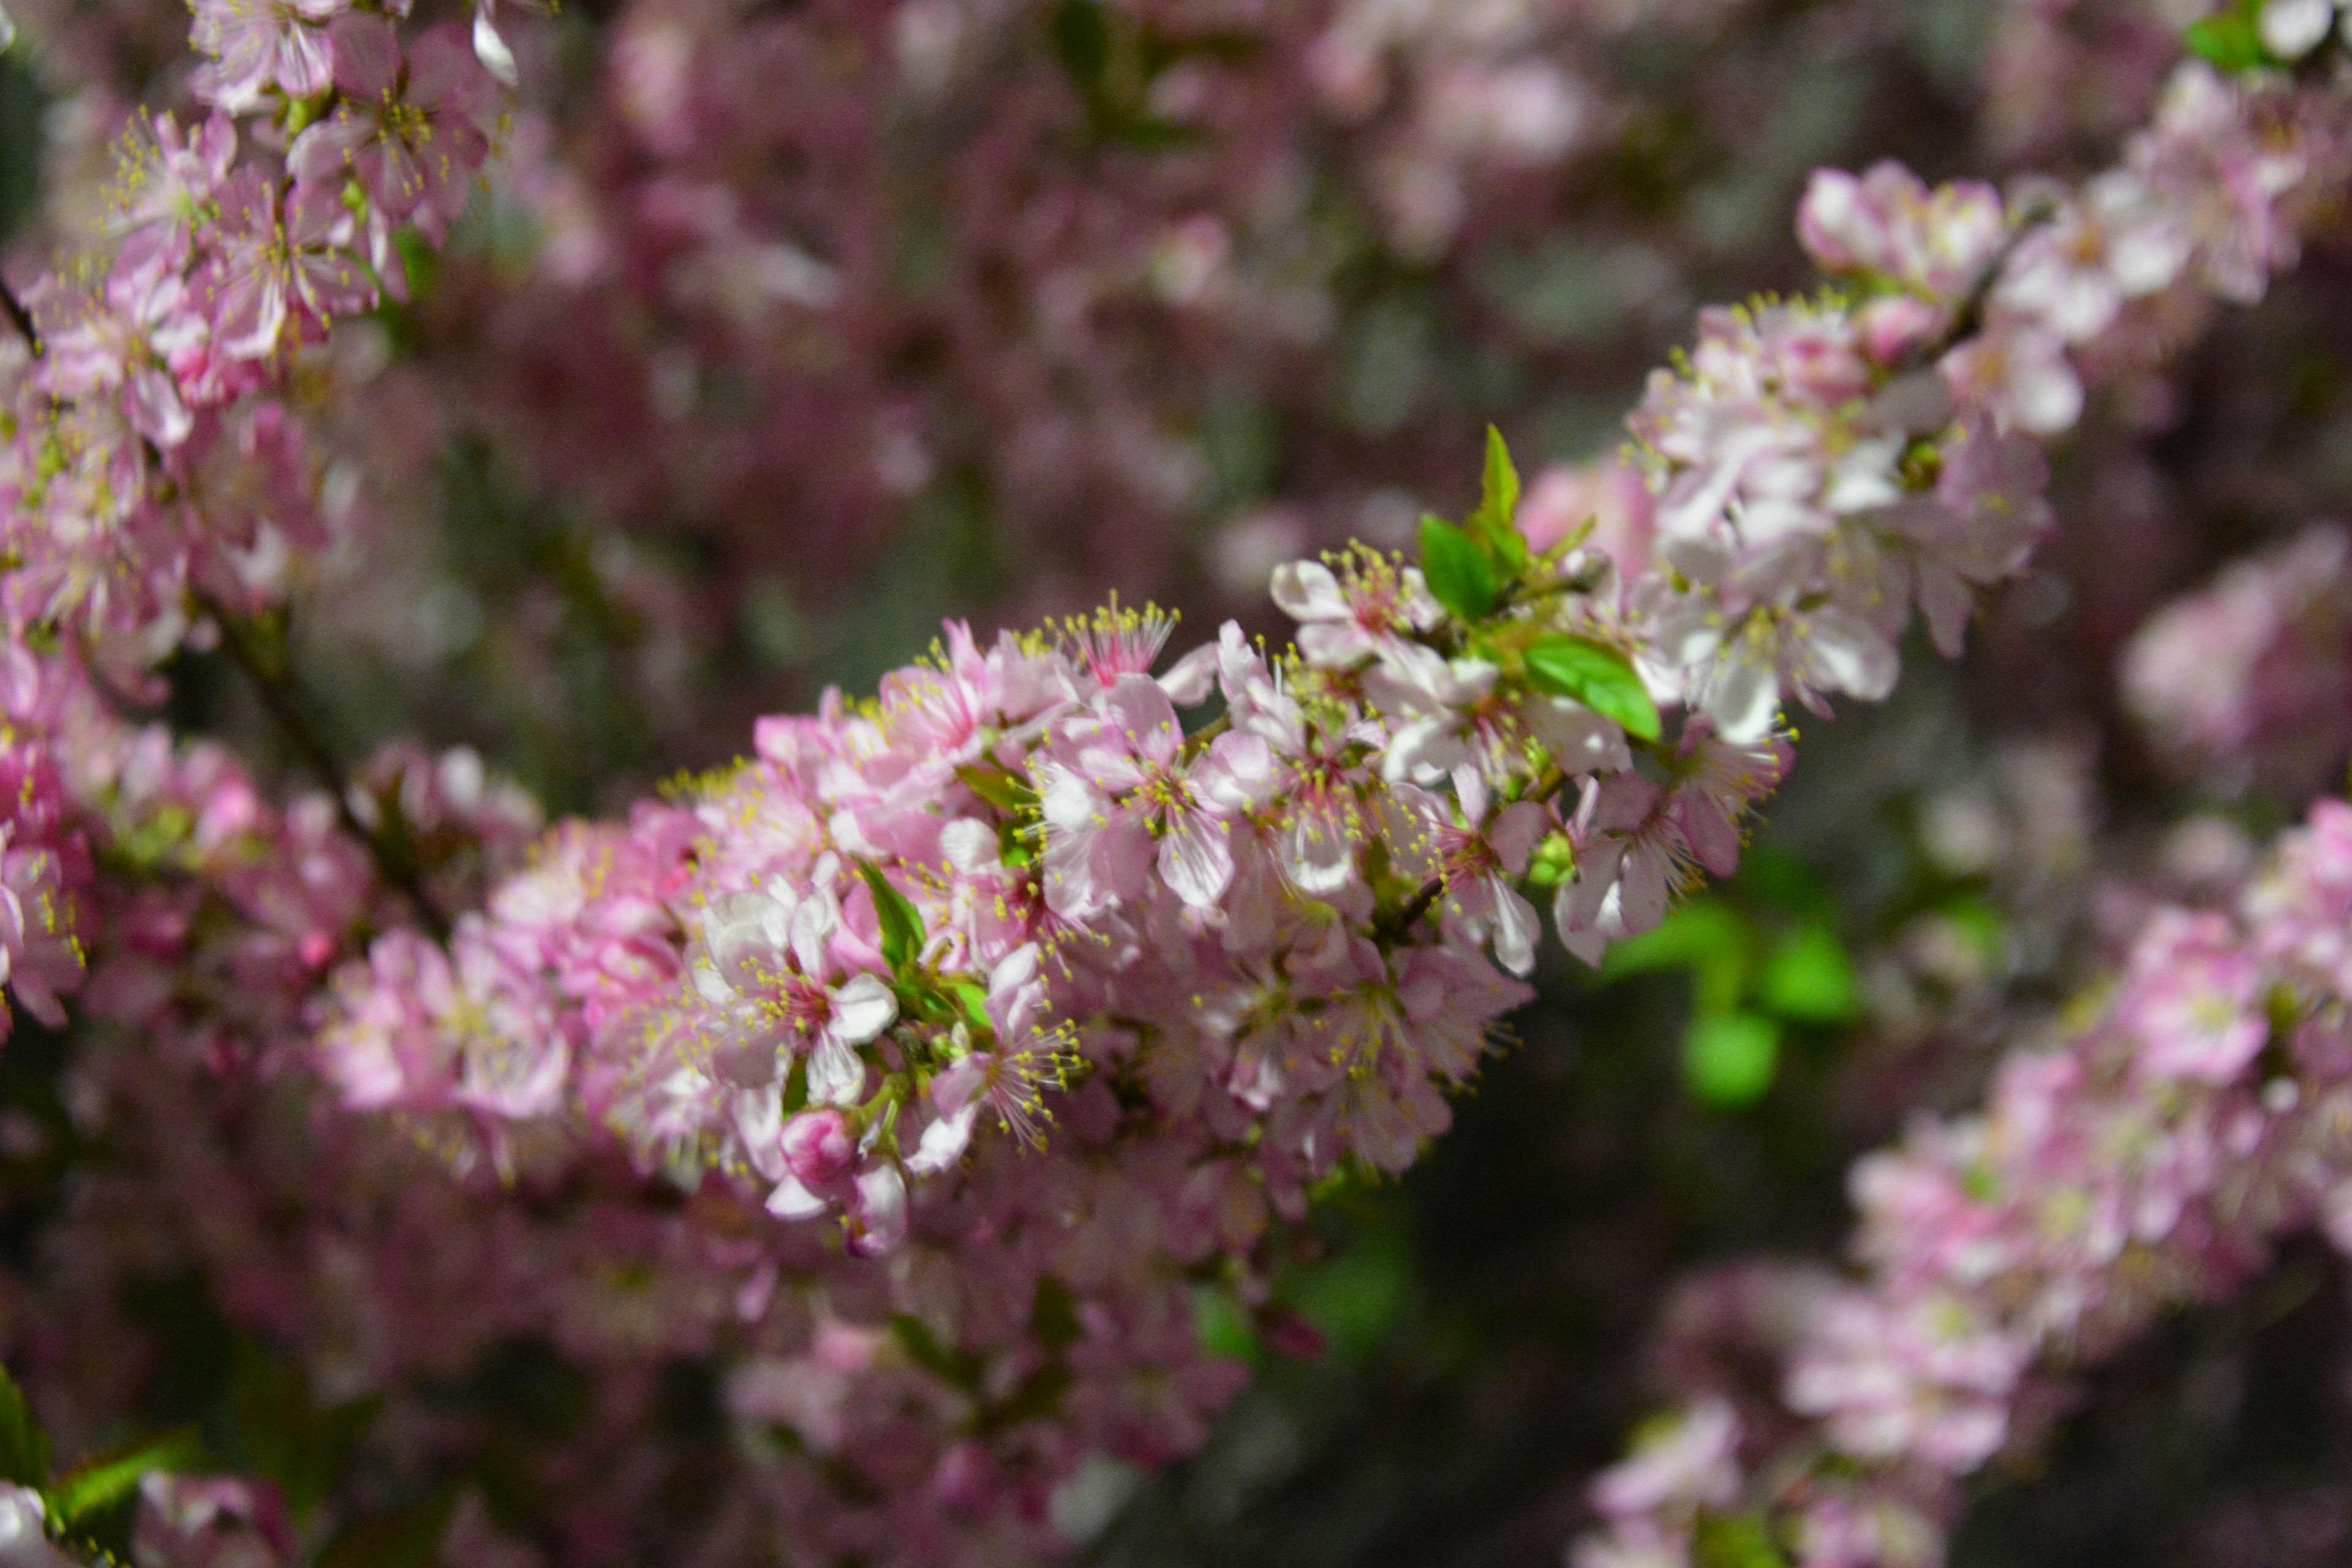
x: 1554, y: 861
x: 818, y: 1147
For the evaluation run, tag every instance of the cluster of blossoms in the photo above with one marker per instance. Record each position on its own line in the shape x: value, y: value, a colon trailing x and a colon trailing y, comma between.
x: 156, y: 479
x: 2152, y: 1153
x: 858, y: 974
x: 1032, y: 361
x: 924, y: 1065
x: 2245, y: 683
x: 155, y: 465
x: 1823, y: 466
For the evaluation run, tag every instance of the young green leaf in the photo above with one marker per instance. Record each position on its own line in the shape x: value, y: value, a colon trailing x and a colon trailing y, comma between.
x: 902, y: 927
x: 1224, y: 1329
x: 1730, y: 1540
x: 1054, y: 1315
x: 1729, y: 1058
x: 1704, y: 931
x: 1082, y: 38
x: 922, y: 1347
x: 1456, y: 570
x: 109, y: 1479
x: 1809, y: 979
x: 972, y: 998
x: 999, y: 788
x: 1554, y: 862
x: 1496, y: 523
x: 1707, y: 937
x: 24, y: 1446
x: 1597, y: 675
x: 287, y: 1434
x: 2231, y: 41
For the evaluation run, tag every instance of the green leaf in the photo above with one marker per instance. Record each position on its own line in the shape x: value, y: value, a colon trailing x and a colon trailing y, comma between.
x: 24, y: 1446
x: 1597, y: 675
x: 1809, y: 978
x: 1357, y: 1297
x: 1054, y: 1315
x: 1701, y: 932
x: 109, y: 1479
x: 1734, y: 1542
x: 902, y: 927
x: 287, y: 1436
x: 2230, y: 42
x: 404, y: 1538
x: 1224, y: 1329
x: 1729, y: 1058
x: 999, y: 788
x: 925, y: 1351
x: 972, y: 997
x: 1496, y: 523
x: 1038, y: 1396
x: 1082, y: 38
x: 1456, y: 570
x: 1780, y: 878
x: 1708, y: 937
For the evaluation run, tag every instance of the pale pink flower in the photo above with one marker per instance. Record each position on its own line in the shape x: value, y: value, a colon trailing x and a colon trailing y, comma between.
x: 277, y: 271
x: 412, y: 133
x: 167, y: 178
x: 1478, y: 858
x: 1370, y: 615
x: 819, y: 1148
x: 1888, y: 222
x: 1929, y: 1380
x: 210, y: 1521
x: 23, y: 1537
x: 258, y: 46
x: 770, y: 975
x: 1694, y: 1464
x: 1120, y: 798
x: 2195, y: 1005
x: 2020, y: 374
x: 2116, y: 242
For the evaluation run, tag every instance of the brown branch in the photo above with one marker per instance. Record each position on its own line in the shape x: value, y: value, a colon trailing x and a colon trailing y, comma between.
x: 18, y: 317
x: 282, y: 701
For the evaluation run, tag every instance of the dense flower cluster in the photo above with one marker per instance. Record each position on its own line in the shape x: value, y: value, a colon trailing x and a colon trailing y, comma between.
x: 921, y: 1071
x: 860, y: 973
x: 156, y: 471
x: 2244, y: 683
x: 2151, y: 1154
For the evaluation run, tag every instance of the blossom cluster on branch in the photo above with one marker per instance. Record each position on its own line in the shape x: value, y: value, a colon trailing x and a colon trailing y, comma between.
x: 2151, y: 1154
x: 927, y: 1064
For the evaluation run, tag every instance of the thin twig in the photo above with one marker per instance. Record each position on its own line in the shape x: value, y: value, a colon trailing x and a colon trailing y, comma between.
x: 18, y: 317
x: 282, y: 701
x: 1408, y: 917
x: 1970, y: 318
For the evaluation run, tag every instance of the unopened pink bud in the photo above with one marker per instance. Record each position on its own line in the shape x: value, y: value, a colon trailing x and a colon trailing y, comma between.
x: 818, y: 1147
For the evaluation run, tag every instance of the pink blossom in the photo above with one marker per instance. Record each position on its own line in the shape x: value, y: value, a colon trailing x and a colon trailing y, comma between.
x: 1477, y: 858
x: 2197, y: 1006
x: 260, y: 44
x: 1369, y: 612
x: 769, y: 970
x: 278, y: 271
x: 188, y: 1522
x: 1120, y: 799
x: 412, y: 133
x: 2020, y: 374
x: 1888, y: 222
